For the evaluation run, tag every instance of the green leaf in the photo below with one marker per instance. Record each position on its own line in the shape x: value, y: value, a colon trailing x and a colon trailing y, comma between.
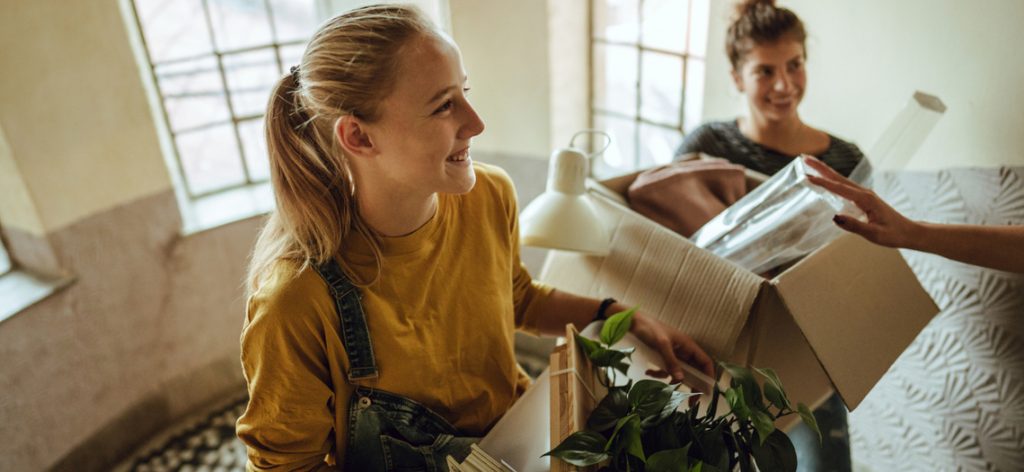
x: 739, y: 406
x: 698, y: 467
x: 712, y: 448
x: 744, y: 379
x: 676, y: 399
x: 589, y: 345
x: 581, y: 449
x: 607, y: 413
x: 666, y: 435
x: 610, y: 357
x: 616, y: 326
x: 649, y: 397
x: 773, y: 388
x: 776, y: 453
x: 763, y: 424
x: 627, y: 438
x: 672, y: 460
x: 805, y: 414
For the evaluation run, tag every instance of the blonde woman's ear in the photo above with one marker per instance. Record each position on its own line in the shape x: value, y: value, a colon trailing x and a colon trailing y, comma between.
x: 352, y: 135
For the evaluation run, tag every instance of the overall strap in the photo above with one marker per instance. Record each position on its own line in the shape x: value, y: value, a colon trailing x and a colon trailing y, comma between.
x: 354, y: 333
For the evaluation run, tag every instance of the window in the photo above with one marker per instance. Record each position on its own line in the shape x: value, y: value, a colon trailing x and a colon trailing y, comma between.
x: 213, y: 63
x: 647, y: 78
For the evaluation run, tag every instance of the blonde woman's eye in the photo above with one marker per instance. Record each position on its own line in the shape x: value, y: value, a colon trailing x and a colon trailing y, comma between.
x: 444, y: 107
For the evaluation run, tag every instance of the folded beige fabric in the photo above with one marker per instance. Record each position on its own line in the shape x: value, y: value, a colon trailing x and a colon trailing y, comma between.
x: 685, y: 195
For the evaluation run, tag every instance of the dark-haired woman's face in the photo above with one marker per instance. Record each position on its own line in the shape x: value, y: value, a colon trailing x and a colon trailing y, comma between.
x: 773, y: 78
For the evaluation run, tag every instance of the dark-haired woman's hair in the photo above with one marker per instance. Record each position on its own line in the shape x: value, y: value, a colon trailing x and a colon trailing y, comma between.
x: 760, y: 22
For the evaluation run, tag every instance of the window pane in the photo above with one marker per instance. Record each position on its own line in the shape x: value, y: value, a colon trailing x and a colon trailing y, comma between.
x: 174, y: 28
x: 294, y: 19
x: 657, y: 145
x: 5, y: 260
x: 619, y: 158
x: 291, y: 56
x: 250, y: 76
x: 616, y: 20
x: 193, y: 93
x: 615, y: 77
x: 662, y: 88
x: 210, y: 158
x: 694, y: 105
x: 699, y: 17
x: 664, y: 24
x: 254, y: 143
x: 239, y: 23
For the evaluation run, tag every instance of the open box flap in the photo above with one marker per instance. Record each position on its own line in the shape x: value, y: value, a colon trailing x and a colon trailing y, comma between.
x: 662, y: 272
x: 859, y: 305
x: 772, y: 339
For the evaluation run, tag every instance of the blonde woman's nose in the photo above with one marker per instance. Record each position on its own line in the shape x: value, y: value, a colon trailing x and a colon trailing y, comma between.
x: 472, y: 125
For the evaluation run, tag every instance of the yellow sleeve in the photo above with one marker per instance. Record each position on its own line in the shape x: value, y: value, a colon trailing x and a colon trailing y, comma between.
x: 289, y: 423
x: 528, y: 295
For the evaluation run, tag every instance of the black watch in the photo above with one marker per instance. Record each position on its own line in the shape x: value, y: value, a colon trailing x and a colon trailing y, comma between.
x: 602, y: 311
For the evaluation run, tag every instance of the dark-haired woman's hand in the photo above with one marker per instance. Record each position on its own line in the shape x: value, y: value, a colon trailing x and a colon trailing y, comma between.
x: 885, y: 226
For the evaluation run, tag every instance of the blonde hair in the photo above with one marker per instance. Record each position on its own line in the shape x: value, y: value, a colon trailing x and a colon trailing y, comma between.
x: 348, y: 67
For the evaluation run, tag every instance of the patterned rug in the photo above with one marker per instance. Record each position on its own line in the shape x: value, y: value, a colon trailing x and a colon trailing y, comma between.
x: 204, y: 444
x: 207, y: 443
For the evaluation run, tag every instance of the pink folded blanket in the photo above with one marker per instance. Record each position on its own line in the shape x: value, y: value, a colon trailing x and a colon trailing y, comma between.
x: 685, y: 195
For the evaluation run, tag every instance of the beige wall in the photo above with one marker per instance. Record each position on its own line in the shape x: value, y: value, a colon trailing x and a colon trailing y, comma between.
x: 569, y: 62
x: 149, y: 329
x: 867, y: 58
x: 16, y: 207
x: 74, y: 112
x: 504, y: 47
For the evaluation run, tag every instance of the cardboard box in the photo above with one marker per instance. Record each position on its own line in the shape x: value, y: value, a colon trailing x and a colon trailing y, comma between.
x: 838, y: 318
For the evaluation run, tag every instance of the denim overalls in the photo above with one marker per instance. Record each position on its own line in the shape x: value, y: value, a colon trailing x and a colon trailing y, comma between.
x: 385, y: 431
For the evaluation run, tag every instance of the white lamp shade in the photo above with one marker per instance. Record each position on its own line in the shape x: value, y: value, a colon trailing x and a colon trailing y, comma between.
x: 559, y: 221
x: 563, y: 216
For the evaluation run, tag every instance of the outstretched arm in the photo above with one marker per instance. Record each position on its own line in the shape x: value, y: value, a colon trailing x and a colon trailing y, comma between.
x: 675, y: 347
x: 996, y: 247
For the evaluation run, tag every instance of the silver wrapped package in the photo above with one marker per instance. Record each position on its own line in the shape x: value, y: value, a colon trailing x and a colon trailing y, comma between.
x: 781, y: 220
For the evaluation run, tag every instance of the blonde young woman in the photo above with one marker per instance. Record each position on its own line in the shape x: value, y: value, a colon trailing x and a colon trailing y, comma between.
x: 386, y: 286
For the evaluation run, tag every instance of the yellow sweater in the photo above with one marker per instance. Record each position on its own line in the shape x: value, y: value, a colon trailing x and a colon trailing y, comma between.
x: 441, y: 320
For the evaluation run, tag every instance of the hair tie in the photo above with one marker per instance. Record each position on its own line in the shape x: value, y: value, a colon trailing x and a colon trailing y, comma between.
x: 295, y: 73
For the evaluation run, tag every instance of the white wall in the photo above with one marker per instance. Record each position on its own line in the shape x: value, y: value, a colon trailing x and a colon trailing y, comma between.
x: 868, y: 57
x: 505, y: 50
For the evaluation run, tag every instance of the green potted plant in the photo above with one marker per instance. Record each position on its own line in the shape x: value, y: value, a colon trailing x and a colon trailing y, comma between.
x: 640, y: 426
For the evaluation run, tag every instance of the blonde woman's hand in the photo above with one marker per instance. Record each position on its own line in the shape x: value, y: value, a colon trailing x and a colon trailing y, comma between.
x: 885, y: 226
x: 674, y: 346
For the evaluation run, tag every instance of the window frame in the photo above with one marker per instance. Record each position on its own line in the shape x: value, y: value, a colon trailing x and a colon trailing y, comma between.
x: 234, y: 119
x: 594, y: 112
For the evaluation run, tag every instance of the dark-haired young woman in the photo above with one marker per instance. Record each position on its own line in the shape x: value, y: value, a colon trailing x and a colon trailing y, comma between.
x: 766, y: 47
